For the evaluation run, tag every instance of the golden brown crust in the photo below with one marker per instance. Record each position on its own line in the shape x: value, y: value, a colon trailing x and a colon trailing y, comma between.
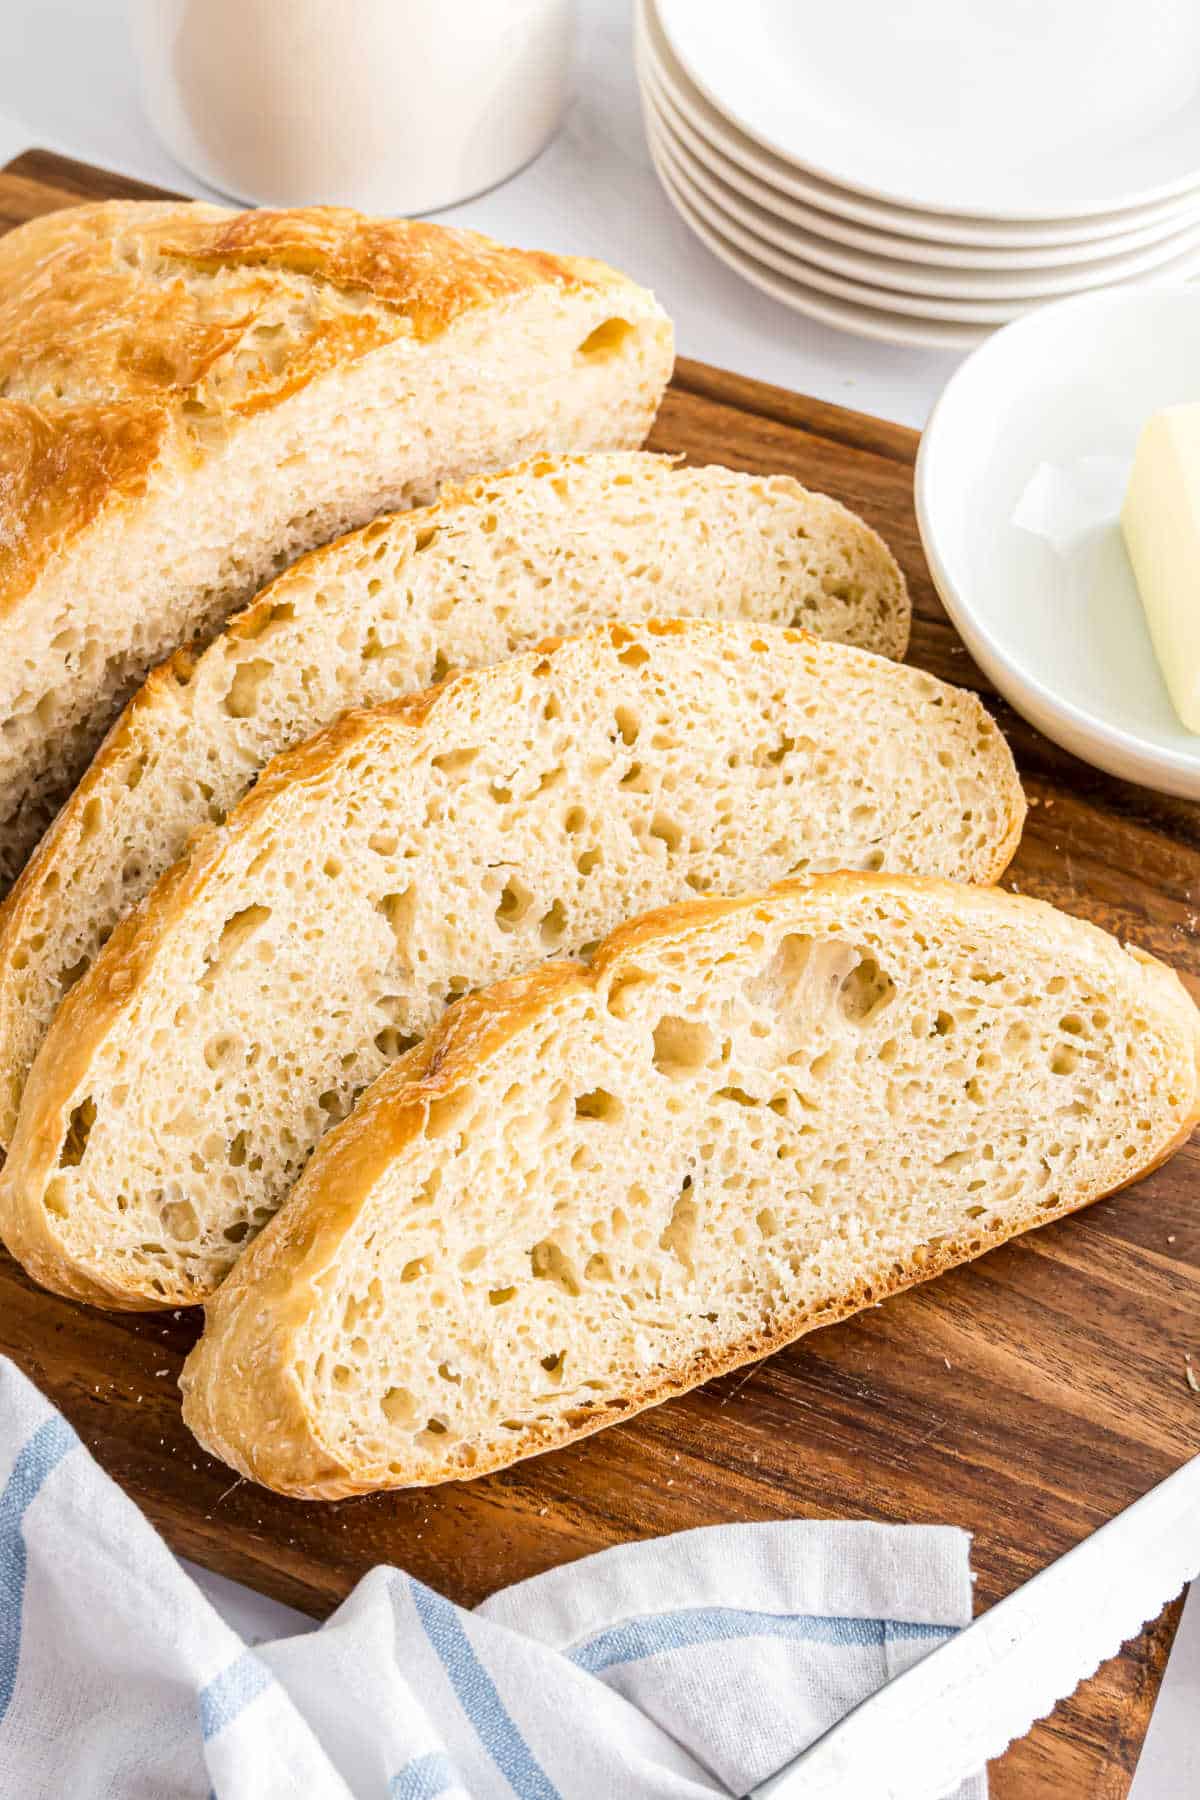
x: 57, y: 471
x: 241, y: 1395
x: 428, y: 273
x: 125, y: 322
x: 86, y: 1015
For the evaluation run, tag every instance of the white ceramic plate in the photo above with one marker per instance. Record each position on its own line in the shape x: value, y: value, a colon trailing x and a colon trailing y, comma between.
x: 864, y: 321
x: 900, y: 306
x: 878, y: 243
x: 998, y: 110
x: 1181, y: 250
x: 953, y: 228
x: 1019, y: 483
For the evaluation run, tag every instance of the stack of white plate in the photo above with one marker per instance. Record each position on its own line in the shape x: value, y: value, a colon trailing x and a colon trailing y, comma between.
x: 926, y: 172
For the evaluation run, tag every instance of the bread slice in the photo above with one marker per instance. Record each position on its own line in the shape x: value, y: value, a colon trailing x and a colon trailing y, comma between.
x: 502, y: 561
x: 193, y: 396
x: 590, y: 1189
x: 411, y: 853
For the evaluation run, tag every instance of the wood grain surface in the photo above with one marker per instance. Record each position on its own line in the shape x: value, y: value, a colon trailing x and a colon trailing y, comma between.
x: 1027, y: 1397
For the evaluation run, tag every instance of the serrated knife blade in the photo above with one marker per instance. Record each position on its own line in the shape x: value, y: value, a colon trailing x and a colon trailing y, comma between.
x: 923, y: 1733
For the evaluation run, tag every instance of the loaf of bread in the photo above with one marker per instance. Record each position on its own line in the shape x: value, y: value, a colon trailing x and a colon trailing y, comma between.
x: 500, y: 562
x: 413, y: 852
x: 193, y: 396
x: 590, y: 1189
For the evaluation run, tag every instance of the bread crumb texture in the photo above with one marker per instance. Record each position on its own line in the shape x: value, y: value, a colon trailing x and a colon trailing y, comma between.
x: 552, y: 545
x: 191, y: 397
x: 416, y: 851
x: 592, y: 1188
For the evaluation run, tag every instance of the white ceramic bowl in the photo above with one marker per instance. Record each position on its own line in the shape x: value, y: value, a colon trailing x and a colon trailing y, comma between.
x: 1019, y: 483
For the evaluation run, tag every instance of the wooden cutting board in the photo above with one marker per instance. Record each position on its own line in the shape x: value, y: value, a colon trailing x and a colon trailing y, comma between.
x: 1028, y: 1397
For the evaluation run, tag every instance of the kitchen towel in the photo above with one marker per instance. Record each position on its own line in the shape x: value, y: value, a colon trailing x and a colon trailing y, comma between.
x: 683, y: 1667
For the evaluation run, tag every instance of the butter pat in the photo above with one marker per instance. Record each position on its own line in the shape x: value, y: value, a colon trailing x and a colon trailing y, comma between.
x: 1161, y: 524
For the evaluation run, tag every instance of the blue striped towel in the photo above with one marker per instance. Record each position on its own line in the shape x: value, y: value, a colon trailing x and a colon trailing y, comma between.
x: 684, y: 1667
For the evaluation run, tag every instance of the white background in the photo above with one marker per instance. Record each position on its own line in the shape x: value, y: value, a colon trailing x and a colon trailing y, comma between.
x: 67, y: 82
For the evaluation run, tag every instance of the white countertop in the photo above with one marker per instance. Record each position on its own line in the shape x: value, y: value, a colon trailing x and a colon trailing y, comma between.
x: 67, y: 83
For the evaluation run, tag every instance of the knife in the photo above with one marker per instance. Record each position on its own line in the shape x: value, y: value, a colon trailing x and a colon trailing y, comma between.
x: 924, y: 1732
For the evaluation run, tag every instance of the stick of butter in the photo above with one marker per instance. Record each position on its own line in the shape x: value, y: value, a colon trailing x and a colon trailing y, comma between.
x: 1161, y: 524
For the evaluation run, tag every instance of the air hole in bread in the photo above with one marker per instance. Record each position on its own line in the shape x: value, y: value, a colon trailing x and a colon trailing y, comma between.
x: 632, y: 778
x: 397, y: 1406
x: 783, y: 748
x: 627, y: 724
x: 679, y: 1233
x: 400, y: 912
x: 513, y: 905
x: 454, y: 762
x: 864, y: 993
x: 241, y: 699
x: 738, y: 1096
x: 549, y: 1262
x: 598, y: 1104
x: 681, y: 1046
x: 606, y: 340
x: 553, y: 926
x: 236, y: 933
x: 667, y: 832
x: 222, y: 1050
x: 181, y: 1221
x: 79, y: 1127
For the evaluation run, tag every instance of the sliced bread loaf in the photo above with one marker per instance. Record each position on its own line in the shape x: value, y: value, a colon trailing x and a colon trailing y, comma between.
x: 590, y: 1189
x: 192, y: 397
x: 500, y: 562
x: 409, y: 854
